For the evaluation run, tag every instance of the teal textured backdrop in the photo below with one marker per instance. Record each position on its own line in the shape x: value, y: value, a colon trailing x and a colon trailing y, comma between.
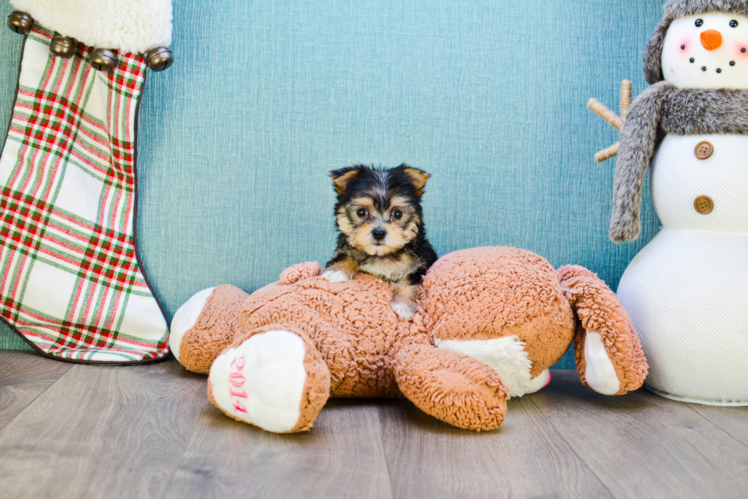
x: 266, y: 97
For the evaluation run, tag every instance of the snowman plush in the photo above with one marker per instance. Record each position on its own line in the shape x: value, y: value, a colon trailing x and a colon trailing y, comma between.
x: 687, y: 290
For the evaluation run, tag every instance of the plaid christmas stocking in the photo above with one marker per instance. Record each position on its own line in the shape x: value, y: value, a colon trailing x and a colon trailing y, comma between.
x: 72, y: 284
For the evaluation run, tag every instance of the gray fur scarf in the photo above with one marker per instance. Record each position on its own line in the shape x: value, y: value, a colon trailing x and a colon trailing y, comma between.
x: 665, y: 109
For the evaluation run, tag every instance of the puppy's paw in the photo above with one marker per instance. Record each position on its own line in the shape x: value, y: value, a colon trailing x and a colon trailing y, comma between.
x: 405, y: 310
x: 336, y: 276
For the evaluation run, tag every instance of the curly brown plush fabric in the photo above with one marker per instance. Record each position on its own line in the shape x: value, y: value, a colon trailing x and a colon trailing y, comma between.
x: 356, y: 346
x: 212, y: 333
x: 316, y: 389
x: 598, y: 310
x: 299, y: 272
x: 470, y: 396
x: 352, y: 324
x: 518, y: 293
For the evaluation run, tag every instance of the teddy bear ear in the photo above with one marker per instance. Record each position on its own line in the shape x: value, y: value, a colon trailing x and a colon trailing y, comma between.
x: 343, y: 177
x: 418, y: 178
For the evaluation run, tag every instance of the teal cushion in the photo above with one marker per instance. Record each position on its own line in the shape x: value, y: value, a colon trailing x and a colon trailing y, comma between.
x: 237, y: 138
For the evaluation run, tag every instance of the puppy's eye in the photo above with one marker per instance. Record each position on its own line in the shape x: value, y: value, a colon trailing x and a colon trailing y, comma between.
x: 733, y: 24
x: 362, y: 212
x: 699, y: 23
x: 397, y: 214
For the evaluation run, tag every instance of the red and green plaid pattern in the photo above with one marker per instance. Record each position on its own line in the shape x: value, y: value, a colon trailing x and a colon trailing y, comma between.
x: 71, y: 282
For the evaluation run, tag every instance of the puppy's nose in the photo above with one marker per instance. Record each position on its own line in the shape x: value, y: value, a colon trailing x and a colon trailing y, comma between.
x: 379, y: 233
x: 711, y: 39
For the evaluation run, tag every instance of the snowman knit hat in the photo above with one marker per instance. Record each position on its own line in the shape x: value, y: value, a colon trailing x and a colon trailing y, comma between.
x: 682, y: 8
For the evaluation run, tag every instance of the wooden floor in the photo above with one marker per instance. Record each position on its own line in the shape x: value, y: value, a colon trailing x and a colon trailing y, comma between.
x: 83, y: 431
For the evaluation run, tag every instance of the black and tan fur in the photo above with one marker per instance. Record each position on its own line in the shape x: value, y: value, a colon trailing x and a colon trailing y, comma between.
x: 386, y: 202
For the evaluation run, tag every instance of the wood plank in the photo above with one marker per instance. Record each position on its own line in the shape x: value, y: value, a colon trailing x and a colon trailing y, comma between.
x: 102, y: 431
x: 341, y: 456
x: 24, y: 375
x: 525, y: 458
x: 733, y: 420
x: 641, y: 445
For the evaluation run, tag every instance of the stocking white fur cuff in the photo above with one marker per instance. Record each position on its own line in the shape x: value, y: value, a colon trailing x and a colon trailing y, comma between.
x: 127, y: 25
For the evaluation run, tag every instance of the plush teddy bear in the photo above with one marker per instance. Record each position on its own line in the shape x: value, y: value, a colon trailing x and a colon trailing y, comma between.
x: 489, y: 324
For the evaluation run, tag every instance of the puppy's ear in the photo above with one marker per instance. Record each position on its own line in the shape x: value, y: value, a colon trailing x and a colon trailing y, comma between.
x: 418, y: 178
x: 343, y: 177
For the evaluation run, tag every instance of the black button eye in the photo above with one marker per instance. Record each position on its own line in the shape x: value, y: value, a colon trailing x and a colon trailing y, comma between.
x: 362, y: 212
x: 397, y: 214
x: 733, y: 24
x: 699, y: 23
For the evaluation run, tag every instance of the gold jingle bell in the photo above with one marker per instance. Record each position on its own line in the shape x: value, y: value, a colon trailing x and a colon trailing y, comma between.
x: 62, y: 46
x: 103, y: 59
x: 20, y: 22
x: 159, y: 59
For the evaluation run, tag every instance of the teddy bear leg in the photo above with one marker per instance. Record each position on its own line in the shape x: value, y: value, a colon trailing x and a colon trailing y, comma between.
x: 273, y: 377
x: 185, y: 318
x: 452, y: 387
x: 609, y: 356
x: 508, y: 356
x: 205, y: 325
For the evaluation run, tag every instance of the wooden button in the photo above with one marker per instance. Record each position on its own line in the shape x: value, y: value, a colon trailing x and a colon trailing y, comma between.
x: 703, y: 150
x: 704, y: 205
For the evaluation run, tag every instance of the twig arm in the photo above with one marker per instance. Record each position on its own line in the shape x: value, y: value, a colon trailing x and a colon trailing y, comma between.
x: 625, y: 98
x: 608, y: 153
x: 603, y: 112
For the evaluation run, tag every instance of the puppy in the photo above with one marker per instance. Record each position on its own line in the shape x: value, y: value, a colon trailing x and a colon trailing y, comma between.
x: 381, y: 230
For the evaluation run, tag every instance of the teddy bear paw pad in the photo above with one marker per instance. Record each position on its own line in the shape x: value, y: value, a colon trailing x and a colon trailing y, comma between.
x: 599, y: 372
x: 261, y: 381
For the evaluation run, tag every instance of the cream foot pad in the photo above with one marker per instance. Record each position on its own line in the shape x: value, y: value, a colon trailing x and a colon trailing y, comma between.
x: 262, y: 380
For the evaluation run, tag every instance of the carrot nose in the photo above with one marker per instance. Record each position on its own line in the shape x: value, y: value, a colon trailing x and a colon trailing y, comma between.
x: 711, y: 39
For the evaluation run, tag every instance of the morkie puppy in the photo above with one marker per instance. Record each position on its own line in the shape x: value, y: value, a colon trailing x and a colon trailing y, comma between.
x: 379, y: 217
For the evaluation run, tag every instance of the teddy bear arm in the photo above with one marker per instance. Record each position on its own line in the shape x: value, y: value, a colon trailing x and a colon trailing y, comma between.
x: 299, y: 272
x: 608, y: 353
x: 452, y: 387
